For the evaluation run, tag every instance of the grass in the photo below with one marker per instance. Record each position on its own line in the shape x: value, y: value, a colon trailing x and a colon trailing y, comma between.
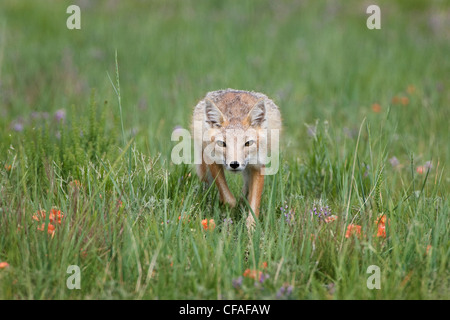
x: 76, y: 138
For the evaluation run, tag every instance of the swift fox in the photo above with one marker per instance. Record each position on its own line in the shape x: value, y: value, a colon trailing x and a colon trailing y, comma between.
x: 237, y: 131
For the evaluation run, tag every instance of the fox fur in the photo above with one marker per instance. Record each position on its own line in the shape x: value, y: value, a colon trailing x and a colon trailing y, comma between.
x: 236, y: 128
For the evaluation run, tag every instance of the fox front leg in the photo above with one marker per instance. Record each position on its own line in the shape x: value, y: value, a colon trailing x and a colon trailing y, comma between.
x: 256, y: 185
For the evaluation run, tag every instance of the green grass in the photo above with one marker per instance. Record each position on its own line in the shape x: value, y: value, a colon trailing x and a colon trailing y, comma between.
x: 319, y: 63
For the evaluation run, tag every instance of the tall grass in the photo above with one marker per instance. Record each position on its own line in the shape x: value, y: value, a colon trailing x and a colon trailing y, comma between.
x: 365, y: 134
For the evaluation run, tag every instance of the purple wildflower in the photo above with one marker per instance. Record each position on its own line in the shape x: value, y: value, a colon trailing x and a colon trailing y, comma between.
x: 237, y: 283
x: 288, y: 214
x: 60, y: 115
x: 35, y: 115
x: 284, y: 291
x: 312, y: 131
x: 18, y: 126
x: 227, y: 221
x: 320, y: 211
x: 428, y: 165
x: 263, y: 277
x: 394, y: 162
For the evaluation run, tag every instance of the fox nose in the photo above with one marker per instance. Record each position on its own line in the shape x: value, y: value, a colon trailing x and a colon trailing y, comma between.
x: 234, y: 164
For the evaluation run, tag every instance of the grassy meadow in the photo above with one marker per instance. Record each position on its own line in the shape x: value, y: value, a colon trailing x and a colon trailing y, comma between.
x: 86, y: 118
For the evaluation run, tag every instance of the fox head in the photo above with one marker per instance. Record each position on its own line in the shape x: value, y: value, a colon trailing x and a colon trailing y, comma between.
x: 236, y: 137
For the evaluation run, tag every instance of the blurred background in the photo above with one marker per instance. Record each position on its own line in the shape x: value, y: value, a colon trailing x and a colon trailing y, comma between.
x: 316, y: 59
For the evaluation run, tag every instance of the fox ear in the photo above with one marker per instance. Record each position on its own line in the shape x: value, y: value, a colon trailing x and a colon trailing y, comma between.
x: 257, y: 115
x: 213, y: 116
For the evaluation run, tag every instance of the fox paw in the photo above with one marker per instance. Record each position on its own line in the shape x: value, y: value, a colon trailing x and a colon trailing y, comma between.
x: 230, y: 201
x: 250, y: 223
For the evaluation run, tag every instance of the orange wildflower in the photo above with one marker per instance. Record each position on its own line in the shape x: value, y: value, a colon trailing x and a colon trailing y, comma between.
x: 83, y: 253
x: 4, y: 265
x: 208, y: 224
x: 381, y: 224
x: 429, y: 247
x: 40, y: 214
x: 7, y: 167
x: 404, y: 101
x: 395, y: 100
x: 50, y: 228
x: 252, y: 274
x: 376, y: 108
x: 381, y: 219
x: 75, y: 185
x: 353, y: 229
x: 330, y: 218
x: 54, y: 216
x: 264, y: 265
x: 420, y: 169
x: 381, y: 231
x: 411, y: 89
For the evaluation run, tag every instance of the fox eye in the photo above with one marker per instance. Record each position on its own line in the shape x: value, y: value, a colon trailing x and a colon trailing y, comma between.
x: 249, y: 143
x: 221, y: 144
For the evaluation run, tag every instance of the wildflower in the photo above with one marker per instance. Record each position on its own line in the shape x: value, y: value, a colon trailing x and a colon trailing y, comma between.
x: 264, y: 265
x: 404, y: 101
x: 40, y: 214
x: 395, y: 100
x: 50, y: 228
x: 428, y: 165
x: 284, y: 291
x: 376, y: 108
x: 381, y: 224
x: 320, y: 211
x: 353, y: 229
x: 289, y: 215
x: 18, y: 127
x: 394, y: 162
x: 420, y: 169
x: 55, y: 216
x: 4, y: 265
x: 381, y: 231
x: 252, y: 274
x: 330, y: 218
x: 312, y: 130
x: 237, y: 283
x: 60, y: 115
x: 208, y: 224
x: 256, y: 274
x: 263, y: 277
x: 76, y: 184
x: 411, y: 89
x: 429, y: 248
x: 83, y: 253
x: 227, y: 221
x: 406, y: 279
x: 381, y: 219
x: 8, y: 167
